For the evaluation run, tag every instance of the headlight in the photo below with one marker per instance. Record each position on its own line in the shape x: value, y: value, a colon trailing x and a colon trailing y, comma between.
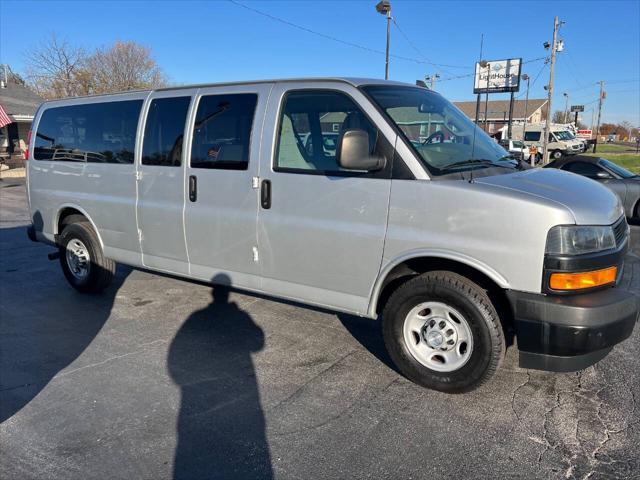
x: 576, y: 239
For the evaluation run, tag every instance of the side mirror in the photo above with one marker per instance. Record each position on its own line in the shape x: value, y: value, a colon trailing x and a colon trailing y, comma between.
x: 603, y: 175
x: 353, y: 152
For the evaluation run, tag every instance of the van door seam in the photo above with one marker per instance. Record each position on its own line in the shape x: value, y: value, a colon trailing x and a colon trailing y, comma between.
x: 259, y: 171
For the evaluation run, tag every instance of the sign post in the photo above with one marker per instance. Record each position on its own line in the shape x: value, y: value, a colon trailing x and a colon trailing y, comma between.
x: 498, y: 76
x: 576, y: 109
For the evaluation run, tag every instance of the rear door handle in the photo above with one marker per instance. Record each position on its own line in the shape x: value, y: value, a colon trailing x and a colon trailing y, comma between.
x: 265, y: 194
x: 193, y: 188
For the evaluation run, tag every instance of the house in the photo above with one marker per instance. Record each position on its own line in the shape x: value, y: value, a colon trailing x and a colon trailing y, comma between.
x: 498, y: 112
x: 19, y: 105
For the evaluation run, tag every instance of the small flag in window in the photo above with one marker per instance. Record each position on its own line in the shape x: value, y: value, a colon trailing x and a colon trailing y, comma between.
x: 213, y: 152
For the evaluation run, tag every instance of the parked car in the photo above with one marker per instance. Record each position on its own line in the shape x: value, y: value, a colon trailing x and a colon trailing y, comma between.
x: 623, y: 182
x: 448, y: 240
x: 517, y: 148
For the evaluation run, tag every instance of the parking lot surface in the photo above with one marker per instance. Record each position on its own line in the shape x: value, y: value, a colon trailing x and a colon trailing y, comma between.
x: 161, y: 378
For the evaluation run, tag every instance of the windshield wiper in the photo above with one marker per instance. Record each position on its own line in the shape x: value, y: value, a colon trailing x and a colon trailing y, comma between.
x: 471, y: 161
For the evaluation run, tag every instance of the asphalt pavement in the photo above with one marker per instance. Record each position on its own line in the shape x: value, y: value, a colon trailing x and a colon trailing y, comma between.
x: 161, y: 378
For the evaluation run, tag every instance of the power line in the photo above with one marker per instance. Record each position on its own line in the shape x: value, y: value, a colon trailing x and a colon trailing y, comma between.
x: 467, y: 75
x: 535, y: 79
x: 332, y: 38
x: 419, y: 52
x: 613, y: 82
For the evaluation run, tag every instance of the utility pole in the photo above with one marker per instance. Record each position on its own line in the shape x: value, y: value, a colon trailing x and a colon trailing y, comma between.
x: 384, y: 8
x: 547, y: 127
x: 599, y: 114
x: 526, y: 116
x: 432, y: 80
x: 566, y: 106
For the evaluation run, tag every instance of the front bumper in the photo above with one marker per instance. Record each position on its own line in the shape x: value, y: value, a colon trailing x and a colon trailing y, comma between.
x: 569, y: 333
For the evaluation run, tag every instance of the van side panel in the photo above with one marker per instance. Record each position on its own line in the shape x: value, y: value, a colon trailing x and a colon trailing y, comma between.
x: 106, y: 192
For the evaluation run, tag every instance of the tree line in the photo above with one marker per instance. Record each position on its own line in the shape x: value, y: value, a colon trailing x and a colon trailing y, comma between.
x: 58, y: 69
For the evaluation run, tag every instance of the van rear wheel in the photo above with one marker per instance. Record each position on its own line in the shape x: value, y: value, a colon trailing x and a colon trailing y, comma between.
x: 442, y: 332
x: 83, y: 262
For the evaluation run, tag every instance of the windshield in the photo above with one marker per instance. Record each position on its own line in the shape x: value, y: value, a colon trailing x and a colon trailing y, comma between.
x: 441, y: 134
x: 564, y: 135
x: 617, y: 169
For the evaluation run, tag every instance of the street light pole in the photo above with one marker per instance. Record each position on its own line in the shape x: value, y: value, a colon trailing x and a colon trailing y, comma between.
x: 566, y: 106
x: 384, y: 8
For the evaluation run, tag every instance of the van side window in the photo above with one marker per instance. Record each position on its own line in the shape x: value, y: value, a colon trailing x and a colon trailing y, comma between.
x: 532, y: 136
x: 222, y: 131
x: 164, y: 131
x: 311, y: 124
x: 91, y: 132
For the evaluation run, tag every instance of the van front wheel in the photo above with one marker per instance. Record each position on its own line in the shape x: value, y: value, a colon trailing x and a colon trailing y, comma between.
x: 83, y: 262
x: 556, y: 154
x: 442, y: 332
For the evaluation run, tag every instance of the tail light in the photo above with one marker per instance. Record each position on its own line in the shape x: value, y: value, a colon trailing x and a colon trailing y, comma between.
x: 26, y: 152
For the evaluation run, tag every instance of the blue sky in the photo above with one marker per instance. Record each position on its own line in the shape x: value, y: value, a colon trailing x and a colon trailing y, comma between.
x: 197, y: 42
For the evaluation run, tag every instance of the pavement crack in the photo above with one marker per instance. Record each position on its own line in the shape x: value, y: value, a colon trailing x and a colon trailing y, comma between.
x: 110, y: 359
x: 515, y: 392
x: 298, y: 390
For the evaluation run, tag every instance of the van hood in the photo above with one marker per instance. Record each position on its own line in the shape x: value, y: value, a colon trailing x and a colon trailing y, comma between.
x: 589, y: 202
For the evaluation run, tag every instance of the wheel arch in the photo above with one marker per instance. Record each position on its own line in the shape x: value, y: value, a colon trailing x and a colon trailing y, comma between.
x: 416, y: 263
x: 67, y: 210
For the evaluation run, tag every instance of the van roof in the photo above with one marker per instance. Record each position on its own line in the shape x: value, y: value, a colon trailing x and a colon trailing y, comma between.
x: 354, y: 81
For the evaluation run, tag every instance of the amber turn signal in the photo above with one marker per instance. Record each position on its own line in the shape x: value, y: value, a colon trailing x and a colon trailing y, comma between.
x: 581, y: 280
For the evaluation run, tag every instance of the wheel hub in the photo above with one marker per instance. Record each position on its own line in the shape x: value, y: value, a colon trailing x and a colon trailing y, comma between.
x: 438, y: 336
x: 440, y: 333
x: 77, y: 256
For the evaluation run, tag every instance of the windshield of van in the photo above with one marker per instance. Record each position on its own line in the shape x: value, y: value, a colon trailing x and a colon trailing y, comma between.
x: 445, y: 139
x: 564, y: 135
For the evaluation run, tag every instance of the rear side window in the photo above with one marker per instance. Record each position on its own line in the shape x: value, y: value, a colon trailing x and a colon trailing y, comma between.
x: 531, y: 136
x: 94, y: 132
x: 164, y: 131
x: 222, y: 131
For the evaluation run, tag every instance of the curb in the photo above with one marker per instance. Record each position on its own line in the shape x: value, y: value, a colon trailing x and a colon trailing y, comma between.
x: 13, y: 173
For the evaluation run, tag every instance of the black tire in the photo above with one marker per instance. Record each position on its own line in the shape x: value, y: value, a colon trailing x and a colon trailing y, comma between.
x: 100, y: 269
x: 556, y: 154
x: 481, y: 317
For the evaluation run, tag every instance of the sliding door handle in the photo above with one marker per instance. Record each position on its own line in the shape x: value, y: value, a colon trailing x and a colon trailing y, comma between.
x: 193, y: 188
x: 265, y: 194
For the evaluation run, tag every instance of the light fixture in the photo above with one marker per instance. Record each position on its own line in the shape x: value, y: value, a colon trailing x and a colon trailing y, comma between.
x: 383, y: 7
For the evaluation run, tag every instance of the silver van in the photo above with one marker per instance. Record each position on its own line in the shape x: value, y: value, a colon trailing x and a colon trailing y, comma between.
x: 371, y: 197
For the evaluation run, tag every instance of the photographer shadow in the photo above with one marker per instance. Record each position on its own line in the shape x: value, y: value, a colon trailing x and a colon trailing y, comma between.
x: 221, y: 426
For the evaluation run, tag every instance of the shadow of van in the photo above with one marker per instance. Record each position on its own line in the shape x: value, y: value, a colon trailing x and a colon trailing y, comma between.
x: 221, y: 425
x: 45, y: 324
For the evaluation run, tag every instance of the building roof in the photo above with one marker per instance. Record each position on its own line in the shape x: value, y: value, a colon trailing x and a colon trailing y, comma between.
x: 499, y: 109
x: 19, y: 101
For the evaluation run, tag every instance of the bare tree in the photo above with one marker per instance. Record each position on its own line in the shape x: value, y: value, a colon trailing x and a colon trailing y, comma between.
x: 558, y: 117
x: 57, y: 69
x: 52, y: 68
x: 124, y: 66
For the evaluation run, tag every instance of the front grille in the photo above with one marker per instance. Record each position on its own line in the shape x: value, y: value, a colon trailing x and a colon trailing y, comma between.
x: 620, y: 231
